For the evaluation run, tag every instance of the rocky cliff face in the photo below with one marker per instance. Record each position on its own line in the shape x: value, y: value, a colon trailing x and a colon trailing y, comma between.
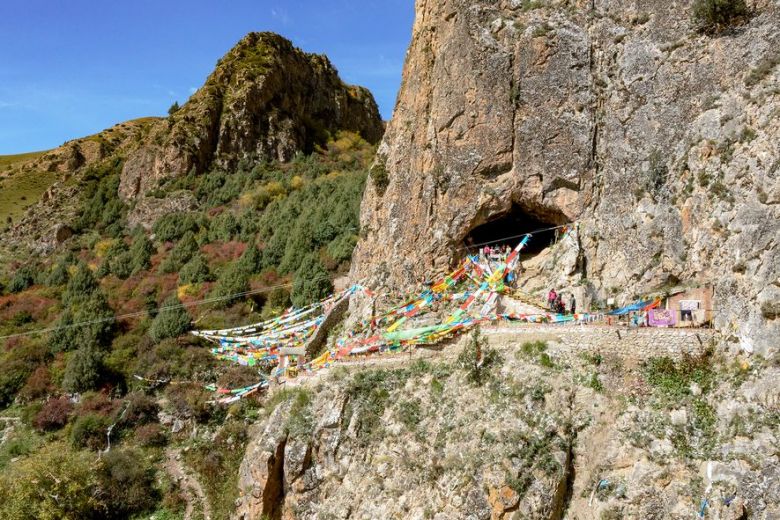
x: 551, y: 434
x: 659, y: 141
x: 266, y: 100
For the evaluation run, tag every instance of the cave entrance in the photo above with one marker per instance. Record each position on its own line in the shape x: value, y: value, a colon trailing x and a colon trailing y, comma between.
x: 510, y: 227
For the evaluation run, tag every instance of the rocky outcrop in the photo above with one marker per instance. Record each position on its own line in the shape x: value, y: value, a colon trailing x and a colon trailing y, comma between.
x: 553, y: 433
x: 660, y: 142
x: 266, y: 100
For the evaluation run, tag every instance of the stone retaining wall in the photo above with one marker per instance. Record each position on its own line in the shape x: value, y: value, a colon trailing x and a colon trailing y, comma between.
x: 635, y: 343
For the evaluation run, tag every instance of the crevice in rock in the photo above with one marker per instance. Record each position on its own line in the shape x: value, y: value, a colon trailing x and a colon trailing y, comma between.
x: 273, y: 492
x: 565, y: 491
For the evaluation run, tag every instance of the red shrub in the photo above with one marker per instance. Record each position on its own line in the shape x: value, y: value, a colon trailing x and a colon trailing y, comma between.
x: 38, y: 385
x: 150, y: 435
x: 54, y: 414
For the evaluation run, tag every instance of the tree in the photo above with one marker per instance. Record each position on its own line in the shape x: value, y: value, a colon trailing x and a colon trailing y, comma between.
x: 232, y: 280
x: 173, y: 108
x: 312, y: 282
x: 141, y: 252
x: 196, y: 270
x: 59, y: 275
x: 181, y: 253
x: 84, y: 370
x: 172, y: 321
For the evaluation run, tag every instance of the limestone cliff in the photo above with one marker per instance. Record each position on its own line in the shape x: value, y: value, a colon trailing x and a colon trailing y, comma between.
x: 266, y: 100
x: 661, y: 143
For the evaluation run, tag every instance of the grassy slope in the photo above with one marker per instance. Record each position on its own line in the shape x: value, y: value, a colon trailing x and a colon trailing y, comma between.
x: 22, y: 189
x: 7, y: 161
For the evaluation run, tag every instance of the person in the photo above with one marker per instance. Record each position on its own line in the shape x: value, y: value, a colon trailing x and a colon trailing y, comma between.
x: 551, y: 297
x: 573, y: 305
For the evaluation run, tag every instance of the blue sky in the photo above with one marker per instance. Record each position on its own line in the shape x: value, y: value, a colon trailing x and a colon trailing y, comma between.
x: 70, y: 68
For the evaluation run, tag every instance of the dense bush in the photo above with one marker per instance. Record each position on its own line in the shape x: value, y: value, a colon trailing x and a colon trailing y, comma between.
x: 23, y: 278
x: 312, y: 282
x: 16, y: 366
x: 126, y: 483
x: 172, y: 320
x: 59, y: 275
x: 52, y: 483
x: 140, y: 409
x: 232, y: 281
x: 716, y: 15
x: 54, y: 414
x: 89, y: 431
x: 102, y: 209
x: 224, y: 227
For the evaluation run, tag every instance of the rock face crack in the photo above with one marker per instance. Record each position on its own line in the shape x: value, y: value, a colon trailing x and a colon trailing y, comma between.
x: 273, y: 493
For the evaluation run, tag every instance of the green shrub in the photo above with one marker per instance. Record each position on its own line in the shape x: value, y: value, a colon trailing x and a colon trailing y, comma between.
x: 232, y: 280
x: 52, y: 483
x: 16, y: 365
x: 379, y: 177
x: 223, y: 228
x: 172, y: 321
x: 59, y: 275
x: 23, y: 278
x: 312, y: 282
x: 712, y: 16
x: 126, y: 483
x: 89, y: 431
x: 477, y: 359
x: 95, y: 318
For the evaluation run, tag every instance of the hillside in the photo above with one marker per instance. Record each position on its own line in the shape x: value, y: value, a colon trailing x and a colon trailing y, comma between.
x: 98, y: 286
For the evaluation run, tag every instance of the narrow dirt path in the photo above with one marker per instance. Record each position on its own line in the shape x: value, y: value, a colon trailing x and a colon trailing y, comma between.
x: 193, y: 491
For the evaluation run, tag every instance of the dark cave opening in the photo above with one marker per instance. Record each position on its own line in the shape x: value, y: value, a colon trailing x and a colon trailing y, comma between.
x: 510, y: 227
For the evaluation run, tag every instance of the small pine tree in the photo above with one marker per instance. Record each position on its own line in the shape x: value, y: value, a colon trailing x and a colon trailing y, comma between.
x: 233, y: 280
x: 173, y: 108
x: 141, y: 252
x: 195, y: 271
x: 83, y: 371
x: 172, y: 321
x: 180, y: 254
x: 81, y: 285
x: 23, y: 279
